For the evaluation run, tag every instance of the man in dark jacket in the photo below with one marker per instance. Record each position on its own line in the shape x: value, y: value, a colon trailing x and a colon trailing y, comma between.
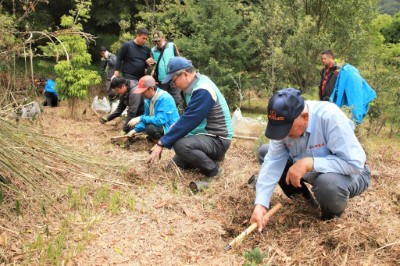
x: 329, y: 74
x: 127, y: 98
x: 132, y: 58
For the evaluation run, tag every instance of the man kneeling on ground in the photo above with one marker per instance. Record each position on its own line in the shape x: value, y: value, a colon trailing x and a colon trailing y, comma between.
x: 203, y: 134
x: 160, y: 111
x: 127, y: 98
x: 313, y: 142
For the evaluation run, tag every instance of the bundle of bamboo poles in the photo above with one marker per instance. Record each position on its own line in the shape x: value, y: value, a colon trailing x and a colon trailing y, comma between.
x: 29, y: 157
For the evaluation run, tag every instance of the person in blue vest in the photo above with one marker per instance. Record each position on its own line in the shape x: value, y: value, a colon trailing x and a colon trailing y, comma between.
x: 50, y: 92
x: 312, y: 142
x: 162, y: 53
x: 160, y: 112
x: 203, y: 134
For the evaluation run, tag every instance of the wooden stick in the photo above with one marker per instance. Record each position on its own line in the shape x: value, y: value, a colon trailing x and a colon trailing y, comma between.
x: 251, y: 228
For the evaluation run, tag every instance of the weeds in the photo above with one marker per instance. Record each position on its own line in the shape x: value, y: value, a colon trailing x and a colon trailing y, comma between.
x: 254, y: 257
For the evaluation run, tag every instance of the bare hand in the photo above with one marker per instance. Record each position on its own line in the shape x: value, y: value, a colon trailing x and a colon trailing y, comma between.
x: 258, y: 217
x: 297, y: 171
x: 155, y: 154
x: 150, y: 61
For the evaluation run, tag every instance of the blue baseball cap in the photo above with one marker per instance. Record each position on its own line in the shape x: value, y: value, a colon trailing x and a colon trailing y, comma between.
x: 283, y: 108
x: 174, y: 65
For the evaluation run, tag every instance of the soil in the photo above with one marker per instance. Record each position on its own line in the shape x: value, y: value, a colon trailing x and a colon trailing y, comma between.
x: 169, y: 225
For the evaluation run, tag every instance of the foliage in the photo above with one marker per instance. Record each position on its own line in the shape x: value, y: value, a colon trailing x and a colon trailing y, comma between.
x: 73, y: 80
x: 254, y: 257
x: 390, y: 7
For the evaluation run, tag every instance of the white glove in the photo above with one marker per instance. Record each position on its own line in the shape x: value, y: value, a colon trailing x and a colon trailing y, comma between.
x: 131, y: 133
x: 134, y: 121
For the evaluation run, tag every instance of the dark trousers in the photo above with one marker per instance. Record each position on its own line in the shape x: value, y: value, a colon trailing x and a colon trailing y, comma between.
x: 154, y: 132
x: 176, y: 94
x: 332, y: 190
x: 51, y: 99
x: 200, y: 152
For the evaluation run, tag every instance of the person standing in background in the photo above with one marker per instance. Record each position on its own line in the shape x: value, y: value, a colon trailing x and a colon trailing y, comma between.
x: 329, y: 74
x: 132, y: 58
x: 107, y: 68
x: 162, y: 53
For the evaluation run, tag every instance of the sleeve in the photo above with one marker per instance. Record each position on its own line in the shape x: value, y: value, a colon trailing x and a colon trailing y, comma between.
x: 118, y: 111
x: 111, y: 60
x: 140, y: 127
x: 347, y: 155
x: 133, y: 106
x: 176, y: 51
x: 121, y: 55
x: 164, y: 110
x: 271, y: 172
x: 199, y: 107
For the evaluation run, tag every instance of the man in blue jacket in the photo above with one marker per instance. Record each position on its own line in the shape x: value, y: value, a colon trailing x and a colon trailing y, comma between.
x: 313, y: 142
x: 203, y: 134
x: 50, y: 92
x: 160, y: 112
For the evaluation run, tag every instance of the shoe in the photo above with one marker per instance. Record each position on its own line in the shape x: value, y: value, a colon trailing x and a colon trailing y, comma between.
x: 253, y: 181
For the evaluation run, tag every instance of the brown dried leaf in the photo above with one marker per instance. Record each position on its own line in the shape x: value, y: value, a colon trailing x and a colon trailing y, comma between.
x: 160, y: 204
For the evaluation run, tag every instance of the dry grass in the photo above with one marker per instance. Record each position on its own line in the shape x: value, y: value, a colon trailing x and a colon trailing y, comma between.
x: 158, y: 221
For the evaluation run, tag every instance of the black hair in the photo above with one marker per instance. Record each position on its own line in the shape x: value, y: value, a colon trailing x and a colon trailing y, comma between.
x: 42, y: 79
x: 103, y: 49
x: 142, y: 31
x: 327, y: 52
x: 117, y: 82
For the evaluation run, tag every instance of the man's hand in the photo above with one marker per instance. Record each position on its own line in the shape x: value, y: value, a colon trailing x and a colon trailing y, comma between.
x: 103, y: 120
x: 155, y: 154
x: 258, y: 217
x: 297, y: 171
x: 150, y: 61
x: 131, y: 133
x: 116, y: 74
x: 134, y: 121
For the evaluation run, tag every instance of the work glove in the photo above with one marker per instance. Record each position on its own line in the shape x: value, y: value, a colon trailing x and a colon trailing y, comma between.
x: 131, y: 133
x: 103, y: 120
x: 113, y: 76
x: 134, y: 121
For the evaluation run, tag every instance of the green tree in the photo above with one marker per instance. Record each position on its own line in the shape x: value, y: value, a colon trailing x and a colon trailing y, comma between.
x: 73, y: 79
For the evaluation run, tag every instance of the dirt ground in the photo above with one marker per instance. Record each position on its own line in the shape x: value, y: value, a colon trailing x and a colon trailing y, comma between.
x: 169, y: 225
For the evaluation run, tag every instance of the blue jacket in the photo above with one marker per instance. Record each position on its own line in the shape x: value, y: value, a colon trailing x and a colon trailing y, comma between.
x: 352, y: 90
x: 50, y: 87
x: 163, y: 115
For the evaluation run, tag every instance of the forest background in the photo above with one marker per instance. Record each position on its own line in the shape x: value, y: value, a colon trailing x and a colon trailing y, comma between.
x: 242, y: 45
x: 63, y: 199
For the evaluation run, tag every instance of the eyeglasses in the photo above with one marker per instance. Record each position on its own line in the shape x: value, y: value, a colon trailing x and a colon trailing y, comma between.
x: 172, y: 83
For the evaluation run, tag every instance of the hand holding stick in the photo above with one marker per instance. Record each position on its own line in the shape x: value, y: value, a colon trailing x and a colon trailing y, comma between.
x: 251, y: 228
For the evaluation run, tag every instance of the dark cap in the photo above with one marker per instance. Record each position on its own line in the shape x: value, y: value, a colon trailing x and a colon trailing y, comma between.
x: 157, y: 36
x: 174, y: 65
x: 283, y: 108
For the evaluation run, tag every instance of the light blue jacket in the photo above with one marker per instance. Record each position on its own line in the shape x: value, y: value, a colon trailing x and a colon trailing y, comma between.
x: 163, y: 115
x: 352, y: 90
x: 329, y: 139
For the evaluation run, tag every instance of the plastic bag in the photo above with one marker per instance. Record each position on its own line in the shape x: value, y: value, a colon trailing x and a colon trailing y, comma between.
x: 114, y: 105
x: 101, y: 105
x: 247, y: 126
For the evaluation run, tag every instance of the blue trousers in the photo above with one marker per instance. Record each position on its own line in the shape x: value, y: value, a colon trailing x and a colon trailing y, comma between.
x: 331, y: 190
x: 200, y: 152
